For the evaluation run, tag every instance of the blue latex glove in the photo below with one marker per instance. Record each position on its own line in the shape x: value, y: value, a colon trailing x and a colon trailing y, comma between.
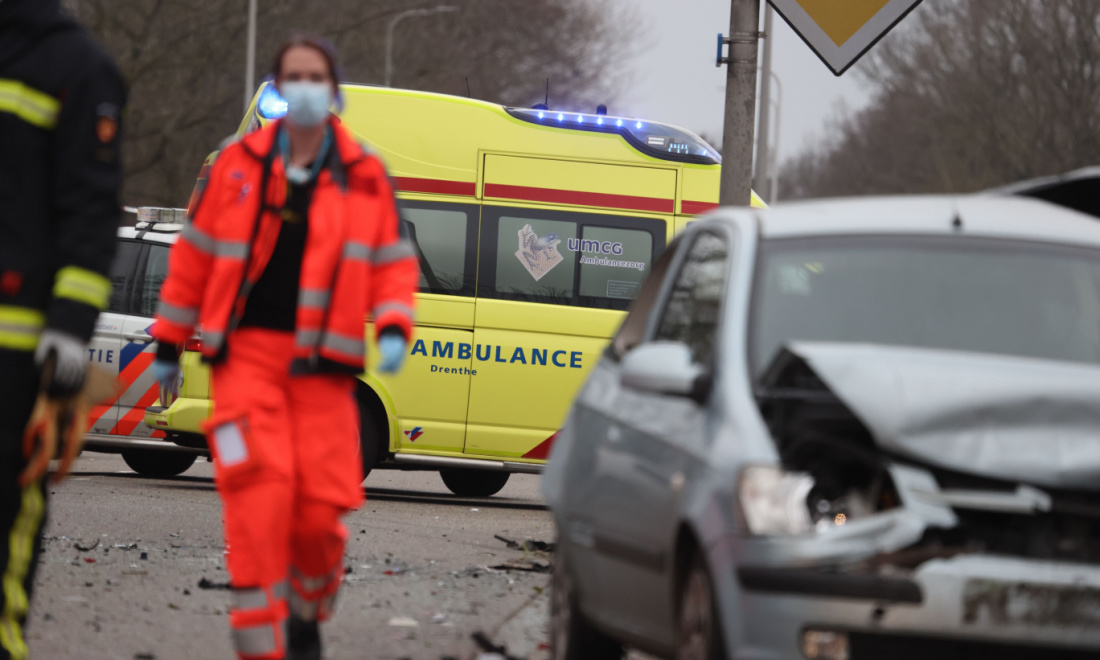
x: 392, y: 348
x: 167, y: 373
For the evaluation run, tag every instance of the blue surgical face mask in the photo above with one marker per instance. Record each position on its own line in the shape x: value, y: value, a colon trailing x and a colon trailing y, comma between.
x: 307, y: 103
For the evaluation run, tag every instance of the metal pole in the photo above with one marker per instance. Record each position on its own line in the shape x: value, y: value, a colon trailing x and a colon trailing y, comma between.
x: 740, y: 124
x: 773, y: 190
x: 760, y: 181
x: 439, y: 9
x: 250, y: 57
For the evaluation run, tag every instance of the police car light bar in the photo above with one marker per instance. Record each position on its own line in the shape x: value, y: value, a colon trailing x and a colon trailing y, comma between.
x: 657, y: 140
x: 155, y: 218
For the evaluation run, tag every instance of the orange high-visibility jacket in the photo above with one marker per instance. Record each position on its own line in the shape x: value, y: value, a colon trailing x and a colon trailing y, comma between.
x: 356, y: 261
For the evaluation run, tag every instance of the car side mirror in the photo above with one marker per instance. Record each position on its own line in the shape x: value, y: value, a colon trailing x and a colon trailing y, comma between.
x: 665, y: 367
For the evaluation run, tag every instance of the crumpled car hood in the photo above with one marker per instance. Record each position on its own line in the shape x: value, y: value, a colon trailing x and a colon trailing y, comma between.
x: 1021, y: 419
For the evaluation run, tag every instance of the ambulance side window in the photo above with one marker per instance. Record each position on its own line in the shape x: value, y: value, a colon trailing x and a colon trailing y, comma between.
x: 154, y: 270
x: 445, y: 239
x: 567, y: 258
x: 122, y: 276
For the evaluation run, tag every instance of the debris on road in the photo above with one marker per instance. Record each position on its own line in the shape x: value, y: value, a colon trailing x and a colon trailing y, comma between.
x: 89, y: 560
x: 530, y: 545
x: 86, y: 549
x: 207, y: 584
x: 492, y: 651
x: 403, y: 622
x: 527, y: 565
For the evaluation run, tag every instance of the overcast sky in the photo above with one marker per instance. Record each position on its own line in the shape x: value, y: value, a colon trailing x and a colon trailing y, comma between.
x: 675, y: 80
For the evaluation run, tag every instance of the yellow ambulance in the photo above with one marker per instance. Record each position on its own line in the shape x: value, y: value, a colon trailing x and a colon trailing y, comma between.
x: 535, y: 229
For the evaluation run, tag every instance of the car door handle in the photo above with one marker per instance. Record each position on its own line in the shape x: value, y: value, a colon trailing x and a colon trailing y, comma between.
x: 138, y: 336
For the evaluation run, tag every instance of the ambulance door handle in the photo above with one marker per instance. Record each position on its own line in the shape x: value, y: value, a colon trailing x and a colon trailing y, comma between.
x: 138, y: 337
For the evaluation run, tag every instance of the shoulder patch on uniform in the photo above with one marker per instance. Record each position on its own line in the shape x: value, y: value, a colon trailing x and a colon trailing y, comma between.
x: 106, y: 126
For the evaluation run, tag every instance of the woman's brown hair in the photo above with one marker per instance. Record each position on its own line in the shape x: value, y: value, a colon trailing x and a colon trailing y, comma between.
x: 322, y: 46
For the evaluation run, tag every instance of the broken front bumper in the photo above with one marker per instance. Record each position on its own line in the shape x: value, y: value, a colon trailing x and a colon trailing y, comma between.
x: 967, y: 606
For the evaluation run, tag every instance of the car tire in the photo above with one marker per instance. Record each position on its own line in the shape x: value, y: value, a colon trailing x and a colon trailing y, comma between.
x: 368, y: 439
x: 698, y: 626
x: 571, y: 636
x: 153, y: 463
x: 474, y: 483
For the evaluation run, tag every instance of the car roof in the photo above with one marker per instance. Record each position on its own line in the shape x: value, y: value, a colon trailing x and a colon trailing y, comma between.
x: 158, y: 236
x: 983, y: 214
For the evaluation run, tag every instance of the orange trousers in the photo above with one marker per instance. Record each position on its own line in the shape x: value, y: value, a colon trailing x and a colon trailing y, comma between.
x: 287, y: 467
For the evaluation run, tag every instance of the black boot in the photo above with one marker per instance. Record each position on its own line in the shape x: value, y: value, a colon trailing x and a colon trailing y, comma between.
x: 303, y: 639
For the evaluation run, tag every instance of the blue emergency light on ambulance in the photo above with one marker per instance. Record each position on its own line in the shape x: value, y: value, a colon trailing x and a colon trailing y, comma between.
x: 653, y: 138
x: 271, y: 105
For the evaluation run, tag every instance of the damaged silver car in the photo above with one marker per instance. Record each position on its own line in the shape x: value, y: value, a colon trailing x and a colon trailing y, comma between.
x: 843, y: 430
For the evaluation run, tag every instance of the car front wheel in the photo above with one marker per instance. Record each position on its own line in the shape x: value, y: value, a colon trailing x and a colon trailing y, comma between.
x: 571, y: 637
x: 154, y: 463
x: 698, y: 628
x: 474, y: 483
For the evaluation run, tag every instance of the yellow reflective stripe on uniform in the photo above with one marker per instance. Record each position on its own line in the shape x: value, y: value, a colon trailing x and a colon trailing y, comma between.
x: 82, y: 285
x: 20, y: 327
x: 20, y: 554
x: 29, y: 104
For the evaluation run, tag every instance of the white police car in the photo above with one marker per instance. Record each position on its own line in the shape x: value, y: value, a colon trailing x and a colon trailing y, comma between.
x: 122, y: 346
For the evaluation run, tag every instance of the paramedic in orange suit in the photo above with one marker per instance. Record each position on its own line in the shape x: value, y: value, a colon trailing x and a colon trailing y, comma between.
x: 294, y: 243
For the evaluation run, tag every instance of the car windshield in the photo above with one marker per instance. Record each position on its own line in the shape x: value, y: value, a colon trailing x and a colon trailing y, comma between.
x: 968, y: 294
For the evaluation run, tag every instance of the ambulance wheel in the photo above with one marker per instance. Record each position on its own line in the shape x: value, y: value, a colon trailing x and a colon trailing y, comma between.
x: 370, y: 434
x: 153, y: 463
x: 474, y: 483
x: 368, y: 442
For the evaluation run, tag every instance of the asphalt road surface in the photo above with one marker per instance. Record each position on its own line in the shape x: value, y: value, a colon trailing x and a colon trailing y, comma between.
x: 421, y: 578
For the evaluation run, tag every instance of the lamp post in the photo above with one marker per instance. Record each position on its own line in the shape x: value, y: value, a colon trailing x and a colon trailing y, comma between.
x: 773, y: 189
x: 439, y: 9
x: 250, y: 57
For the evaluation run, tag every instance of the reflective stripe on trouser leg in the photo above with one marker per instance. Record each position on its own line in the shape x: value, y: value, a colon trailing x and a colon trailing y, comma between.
x: 258, y: 618
x: 313, y: 598
x: 21, y: 540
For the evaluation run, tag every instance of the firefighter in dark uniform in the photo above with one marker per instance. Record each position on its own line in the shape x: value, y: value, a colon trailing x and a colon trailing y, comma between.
x: 61, y: 100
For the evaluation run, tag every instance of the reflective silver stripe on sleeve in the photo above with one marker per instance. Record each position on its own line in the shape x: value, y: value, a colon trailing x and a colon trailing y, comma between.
x: 249, y: 599
x: 211, y: 339
x: 198, y: 238
x: 352, y: 348
x: 232, y: 249
x: 258, y: 640
x: 357, y: 251
x: 307, y: 338
x: 399, y: 250
x: 316, y: 298
x: 206, y: 243
x: 393, y: 307
x: 176, y: 314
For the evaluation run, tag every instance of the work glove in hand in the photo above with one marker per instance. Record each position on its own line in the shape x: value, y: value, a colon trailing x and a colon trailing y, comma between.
x: 167, y: 373
x: 70, y: 360
x: 52, y: 416
x: 392, y: 349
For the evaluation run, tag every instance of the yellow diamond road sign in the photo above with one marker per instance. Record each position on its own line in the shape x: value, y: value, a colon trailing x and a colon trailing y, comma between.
x: 841, y: 31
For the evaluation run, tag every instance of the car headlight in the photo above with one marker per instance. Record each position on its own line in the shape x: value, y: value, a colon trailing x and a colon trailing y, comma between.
x: 775, y: 502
